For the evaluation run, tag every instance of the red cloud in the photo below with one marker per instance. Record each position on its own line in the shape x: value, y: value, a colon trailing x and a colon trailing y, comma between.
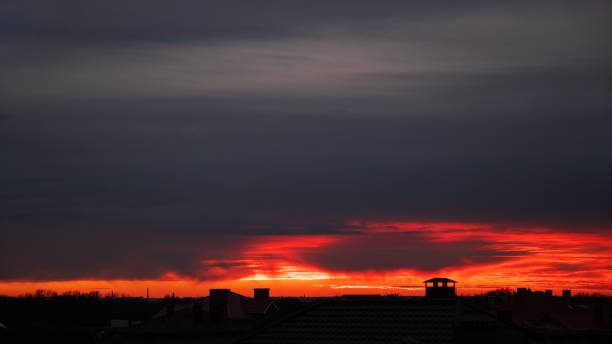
x: 382, y: 256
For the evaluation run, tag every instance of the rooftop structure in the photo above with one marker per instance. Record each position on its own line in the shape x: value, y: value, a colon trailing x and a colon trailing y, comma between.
x: 223, y: 316
x: 440, y: 287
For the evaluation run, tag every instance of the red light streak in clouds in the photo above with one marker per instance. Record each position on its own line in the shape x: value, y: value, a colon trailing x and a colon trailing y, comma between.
x: 387, y: 258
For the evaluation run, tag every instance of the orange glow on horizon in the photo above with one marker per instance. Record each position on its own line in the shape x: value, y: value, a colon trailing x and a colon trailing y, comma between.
x: 538, y: 258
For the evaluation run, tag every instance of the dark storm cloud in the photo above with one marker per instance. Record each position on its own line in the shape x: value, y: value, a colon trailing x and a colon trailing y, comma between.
x: 385, y: 252
x: 159, y: 20
x: 191, y: 122
x: 95, y: 253
x: 205, y: 162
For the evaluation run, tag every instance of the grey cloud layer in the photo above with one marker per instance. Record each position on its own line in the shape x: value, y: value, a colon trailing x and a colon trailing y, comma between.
x: 196, y: 121
x: 337, y: 51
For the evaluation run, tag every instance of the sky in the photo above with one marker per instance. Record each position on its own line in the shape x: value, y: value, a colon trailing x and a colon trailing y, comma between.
x: 312, y: 147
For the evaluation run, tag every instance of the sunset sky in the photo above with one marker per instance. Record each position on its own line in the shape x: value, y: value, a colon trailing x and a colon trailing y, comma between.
x: 317, y: 148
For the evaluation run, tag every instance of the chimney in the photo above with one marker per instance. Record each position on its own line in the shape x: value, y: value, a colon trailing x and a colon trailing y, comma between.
x: 567, y: 293
x: 261, y: 293
x: 218, y: 304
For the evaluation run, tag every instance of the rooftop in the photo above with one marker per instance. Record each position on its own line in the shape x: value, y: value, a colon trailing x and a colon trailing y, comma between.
x: 364, y: 321
x: 439, y: 279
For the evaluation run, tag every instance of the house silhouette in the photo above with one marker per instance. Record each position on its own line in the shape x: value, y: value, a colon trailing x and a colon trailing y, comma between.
x: 440, y: 287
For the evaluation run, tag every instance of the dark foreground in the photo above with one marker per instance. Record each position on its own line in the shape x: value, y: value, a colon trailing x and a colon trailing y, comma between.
x: 227, y: 317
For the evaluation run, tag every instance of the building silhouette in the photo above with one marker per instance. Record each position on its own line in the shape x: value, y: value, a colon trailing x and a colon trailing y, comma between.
x: 438, y: 318
x: 440, y: 287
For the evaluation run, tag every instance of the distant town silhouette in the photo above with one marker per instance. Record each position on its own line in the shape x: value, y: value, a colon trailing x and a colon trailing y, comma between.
x: 499, y: 316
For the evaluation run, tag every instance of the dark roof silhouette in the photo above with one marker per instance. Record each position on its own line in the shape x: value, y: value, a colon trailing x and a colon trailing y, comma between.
x: 539, y: 310
x: 383, y: 321
x: 241, y: 314
x: 238, y: 306
x: 439, y: 279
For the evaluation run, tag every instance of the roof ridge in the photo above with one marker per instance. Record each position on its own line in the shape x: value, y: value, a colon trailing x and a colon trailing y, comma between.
x: 271, y: 324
